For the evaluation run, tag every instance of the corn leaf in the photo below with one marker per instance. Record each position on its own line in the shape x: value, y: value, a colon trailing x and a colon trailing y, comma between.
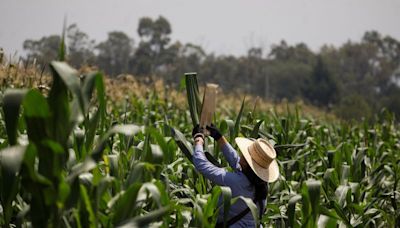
x: 256, y: 129
x: 227, y: 197
x: 11, y: 105
x: 93, y: 81
x: 253, y: 209
x: 237, y: 123
x: 88, y: 207
x: 144, y: 220
x: 11, y: 160
x: 182, y: 143
x: 65, y: 79
x: 124, y: 206
x: 291, y: 211
x: 127, y: 129
x: 192, y: 90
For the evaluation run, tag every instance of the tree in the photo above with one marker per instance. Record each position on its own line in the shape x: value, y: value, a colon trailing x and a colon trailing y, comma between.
x: 114, y: 53
x: 80, y: 47
x: 143, y: 61
x: 187, y: 58
x: 384, y: 59
x: 391, y: 99
x: 280, y: 52
x: 1, y: 55
x: 153, y: 51
x: 298, y: 53
x: 286, y: 79
x: 155, y: 32
x: 43, y: 50
x: 353, y: 107
x: 321, y: 88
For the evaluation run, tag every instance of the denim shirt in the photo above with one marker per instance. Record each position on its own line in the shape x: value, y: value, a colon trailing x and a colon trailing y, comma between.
x: 236, y: 181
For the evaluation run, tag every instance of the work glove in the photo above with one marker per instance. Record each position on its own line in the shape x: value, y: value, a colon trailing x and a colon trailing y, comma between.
x: 198, y: 132
x: 214, y: 132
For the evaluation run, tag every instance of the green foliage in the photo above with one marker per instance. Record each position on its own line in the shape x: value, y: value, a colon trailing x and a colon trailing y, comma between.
x: 321, y: 89
x: 43, y: 50
x: 192, y: 90
x: 331, y: 77
x: 48, y: 175
x: 80, y: 47
x: 11, y: 106
x: 153, y: 51
x: 353, y: 108
x: 70, y: 158
x: 114, y: 53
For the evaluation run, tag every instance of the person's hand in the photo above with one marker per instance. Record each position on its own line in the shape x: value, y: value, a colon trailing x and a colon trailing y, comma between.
x: 214, y: 132
x: 198, y: 132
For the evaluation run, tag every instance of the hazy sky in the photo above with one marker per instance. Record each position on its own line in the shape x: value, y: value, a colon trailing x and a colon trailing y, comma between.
x: 220, y: 26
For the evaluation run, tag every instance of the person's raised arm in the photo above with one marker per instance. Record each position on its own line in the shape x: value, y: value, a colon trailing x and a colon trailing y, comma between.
x: 227, y: 150
x: 205, y: 167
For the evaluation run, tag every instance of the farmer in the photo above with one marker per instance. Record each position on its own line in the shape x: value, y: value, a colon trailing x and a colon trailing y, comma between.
x: 251, y: 172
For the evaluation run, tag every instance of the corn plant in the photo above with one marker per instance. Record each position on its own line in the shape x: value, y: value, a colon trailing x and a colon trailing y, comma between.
x: 71, y: 158
x: 47, y: 175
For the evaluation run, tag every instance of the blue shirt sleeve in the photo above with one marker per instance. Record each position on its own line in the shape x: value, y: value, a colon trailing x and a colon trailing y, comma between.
x: 231, y: 156
x: 215, y: 174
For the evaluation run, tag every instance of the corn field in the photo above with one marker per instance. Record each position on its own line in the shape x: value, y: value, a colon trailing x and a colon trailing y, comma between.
x: 71, y: 158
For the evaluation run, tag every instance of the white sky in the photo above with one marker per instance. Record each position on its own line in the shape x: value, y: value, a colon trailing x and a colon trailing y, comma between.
x: 220, y: 26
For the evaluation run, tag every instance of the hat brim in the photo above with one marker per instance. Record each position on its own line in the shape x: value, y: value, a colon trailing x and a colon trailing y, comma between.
x: 269, y: 174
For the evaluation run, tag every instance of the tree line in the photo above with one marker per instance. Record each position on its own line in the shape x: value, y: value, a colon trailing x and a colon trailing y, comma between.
x: 355, y: 80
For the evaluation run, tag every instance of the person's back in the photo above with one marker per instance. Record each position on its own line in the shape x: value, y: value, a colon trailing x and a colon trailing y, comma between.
x: 242, y: 181
x: 245, y: 189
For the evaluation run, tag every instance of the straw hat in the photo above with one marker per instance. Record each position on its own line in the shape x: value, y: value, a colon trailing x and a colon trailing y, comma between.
x: 260, y: 155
